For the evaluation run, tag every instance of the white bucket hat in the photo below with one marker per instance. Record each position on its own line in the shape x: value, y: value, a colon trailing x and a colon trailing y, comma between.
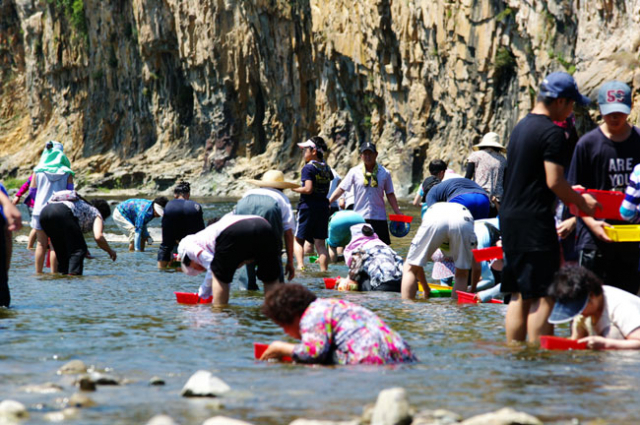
x: 490, y: 140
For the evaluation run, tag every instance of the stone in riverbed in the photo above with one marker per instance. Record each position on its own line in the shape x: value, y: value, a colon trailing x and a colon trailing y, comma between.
x: 223, y: 420
x: 63, y: 415
x: 104, y: 379
x: 73, y: 367
x: 11, y: 410
x: 85, y: 383
x: 46, y: 388
x: 506, y: 416
x: 156, y: 380
x: 204, y: 384
x: 80, y: 400
x: 436, y: 417
x: 392, y: 408
x: 319, y: 422
x: 161, y: 420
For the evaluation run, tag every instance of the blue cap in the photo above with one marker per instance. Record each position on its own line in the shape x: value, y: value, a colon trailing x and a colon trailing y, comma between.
x: 562, y: 85
x: 563, y: 311
x: 614, y: 96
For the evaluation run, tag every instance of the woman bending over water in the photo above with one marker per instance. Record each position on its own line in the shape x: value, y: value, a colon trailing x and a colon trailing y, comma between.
x: 331, y: 331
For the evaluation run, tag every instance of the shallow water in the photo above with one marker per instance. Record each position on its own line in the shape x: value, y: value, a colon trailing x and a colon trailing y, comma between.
x: 122, y: 317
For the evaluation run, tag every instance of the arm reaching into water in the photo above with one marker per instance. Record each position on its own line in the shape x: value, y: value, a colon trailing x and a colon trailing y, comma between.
x: 632, y: 342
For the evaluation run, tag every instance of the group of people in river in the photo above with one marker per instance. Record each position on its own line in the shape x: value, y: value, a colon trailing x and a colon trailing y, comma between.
x: 520, y: 203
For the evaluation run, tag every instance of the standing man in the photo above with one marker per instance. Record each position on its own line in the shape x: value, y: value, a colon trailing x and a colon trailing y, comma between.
x: 604, y: 159
x: 182, y: 217
x: 269, y: 201
x: 370, y: 182
x: 534, y: 177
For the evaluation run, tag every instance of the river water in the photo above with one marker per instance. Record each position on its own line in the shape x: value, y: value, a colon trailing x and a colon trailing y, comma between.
x: 122, y: 318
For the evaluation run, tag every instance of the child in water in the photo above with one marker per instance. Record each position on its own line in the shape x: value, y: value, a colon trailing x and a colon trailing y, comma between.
x: 331, y: 331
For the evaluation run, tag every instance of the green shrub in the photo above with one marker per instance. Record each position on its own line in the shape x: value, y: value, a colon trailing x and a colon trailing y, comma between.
x: 500, y: 17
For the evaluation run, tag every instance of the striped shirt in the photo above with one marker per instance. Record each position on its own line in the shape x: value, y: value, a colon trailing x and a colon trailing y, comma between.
x: 629, y: 207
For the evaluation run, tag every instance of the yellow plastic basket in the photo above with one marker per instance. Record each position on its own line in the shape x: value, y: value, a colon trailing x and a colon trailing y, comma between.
x: 624, y: 232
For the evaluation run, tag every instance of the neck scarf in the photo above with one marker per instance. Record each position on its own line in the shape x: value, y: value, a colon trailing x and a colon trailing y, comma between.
x: 370, y: 178
x: 54, y: 161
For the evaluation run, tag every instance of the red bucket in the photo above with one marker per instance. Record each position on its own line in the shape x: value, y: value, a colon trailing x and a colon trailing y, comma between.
x: 556, y: 343
x: 486, y: 254
x: 259, y: 349
x: 467, y: 298
x: 191, y: 298
x: 401, y: 218
x: 330, y: 282
x: 610, y: 201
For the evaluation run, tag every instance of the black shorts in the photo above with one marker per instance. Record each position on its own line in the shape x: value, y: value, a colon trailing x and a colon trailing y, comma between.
x: 250, y: 239
x: 381, y: 227
x: 530, y: 273
x: 313, y: 223
x: 63, y: 229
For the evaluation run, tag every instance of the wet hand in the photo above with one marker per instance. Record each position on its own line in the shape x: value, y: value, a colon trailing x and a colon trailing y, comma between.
x: 275, y: 350
x: 113, y: 255
x: 595, y: 342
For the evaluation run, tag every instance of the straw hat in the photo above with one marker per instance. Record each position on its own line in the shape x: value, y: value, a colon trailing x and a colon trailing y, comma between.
x: 490, y: 140
x: 274, y: 179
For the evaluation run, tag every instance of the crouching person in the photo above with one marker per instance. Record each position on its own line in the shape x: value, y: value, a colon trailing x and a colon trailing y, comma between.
x: 373, y: 265
x: 64, y: 219
x: 331, y: 331
x: 226, y: 245
x: 603, y: 316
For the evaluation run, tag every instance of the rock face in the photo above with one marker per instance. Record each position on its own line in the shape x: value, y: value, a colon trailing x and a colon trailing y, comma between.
x: 142, y: 92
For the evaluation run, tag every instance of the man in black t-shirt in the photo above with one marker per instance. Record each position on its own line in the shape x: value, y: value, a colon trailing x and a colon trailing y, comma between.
x: 534, y: 177
x: 604, y: 159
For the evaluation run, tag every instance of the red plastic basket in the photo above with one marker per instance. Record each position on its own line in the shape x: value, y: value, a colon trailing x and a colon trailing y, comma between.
x: 191, y: 298
x: 486, y: 254
x: 401, y: 218
x: 259, y: 349
x: 610, y: 201
x: 557, y: 343
x: 330, y: 282
x: 467, y: 298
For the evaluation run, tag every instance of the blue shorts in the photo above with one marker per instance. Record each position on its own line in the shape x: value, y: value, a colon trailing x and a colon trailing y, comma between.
x: 313, y: 223
x: 340, y: 227
x: 478, y: 204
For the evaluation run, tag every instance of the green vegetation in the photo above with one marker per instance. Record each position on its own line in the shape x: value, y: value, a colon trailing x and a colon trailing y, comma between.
x: 73, y: 10
x: 504, y: 60
x: 13, y: 183
x: 153, y: 75
x: 568, y: 66
x: 500, y: 17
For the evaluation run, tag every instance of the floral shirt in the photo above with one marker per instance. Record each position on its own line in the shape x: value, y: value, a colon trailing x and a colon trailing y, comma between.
x: 379, y: 263
x: 339, y: 332
x: 83, y: 211
x: 489, y: 171
x: 138, y: 212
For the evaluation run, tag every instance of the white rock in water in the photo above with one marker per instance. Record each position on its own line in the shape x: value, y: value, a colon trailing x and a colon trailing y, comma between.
x: 223, y: 420
x: 392, y: 408
x: 74, y: 366
x: 438, y: 416
x: 506, y: 416
x: 162, y: 420
x: 204, y: 384
x: 46, y: 388
x: 317, y: 422
x: 13, y: 410
x: 63, y: 415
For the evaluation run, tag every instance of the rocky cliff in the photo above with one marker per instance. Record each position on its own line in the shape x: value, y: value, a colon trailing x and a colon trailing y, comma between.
x: 141, y: 92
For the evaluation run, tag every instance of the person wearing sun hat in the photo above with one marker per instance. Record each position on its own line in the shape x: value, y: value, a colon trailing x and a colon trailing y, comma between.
x: 52, y: 174
x: 269, y: 201
x: 486, y: 167
x: 603, y: 316
x: 370, y: 183
x: 534, y: 180
x: 604, y: 159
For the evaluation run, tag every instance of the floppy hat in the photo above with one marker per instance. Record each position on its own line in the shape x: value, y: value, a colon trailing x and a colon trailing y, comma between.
x: 564, y: 311
x: 489, y: 140
x: 614, y: 96
x: 368, y: 146
x: 562, y: 85
x: 274, y: 179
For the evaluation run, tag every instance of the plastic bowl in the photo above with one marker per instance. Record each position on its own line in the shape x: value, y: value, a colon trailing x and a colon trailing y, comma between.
x: 486, y: 254
x: 467, y: 298
x: 557, y: 343
x: 610, y: 201
x: 191, y: 298
x: 259, y: 349
x: 330, y: 282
